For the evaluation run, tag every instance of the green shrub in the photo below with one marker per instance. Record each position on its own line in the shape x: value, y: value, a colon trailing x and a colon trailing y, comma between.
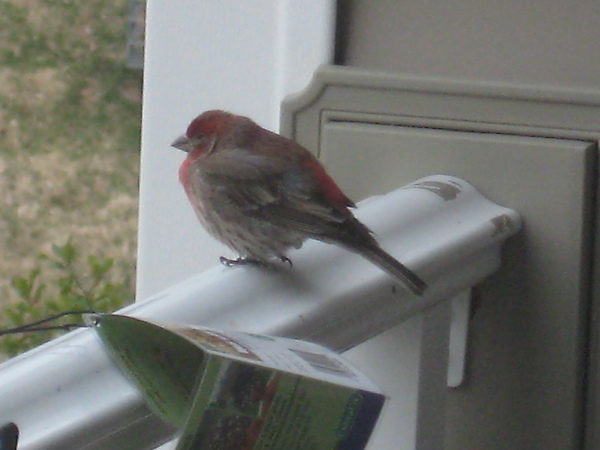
x: 78, y: 283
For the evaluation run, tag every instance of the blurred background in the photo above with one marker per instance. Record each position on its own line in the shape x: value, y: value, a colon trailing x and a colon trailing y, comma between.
x: 70, y: 118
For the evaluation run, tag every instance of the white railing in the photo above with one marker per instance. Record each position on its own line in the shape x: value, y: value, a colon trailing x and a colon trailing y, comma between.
x: 67, y: 393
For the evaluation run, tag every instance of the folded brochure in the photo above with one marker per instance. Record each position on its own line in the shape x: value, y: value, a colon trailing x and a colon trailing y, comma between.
x: 231, y: 390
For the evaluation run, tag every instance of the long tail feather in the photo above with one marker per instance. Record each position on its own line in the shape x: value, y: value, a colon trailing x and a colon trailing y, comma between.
x: 391, y: 265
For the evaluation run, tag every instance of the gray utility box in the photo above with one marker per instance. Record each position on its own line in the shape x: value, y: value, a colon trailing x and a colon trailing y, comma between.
x: 532, y: 359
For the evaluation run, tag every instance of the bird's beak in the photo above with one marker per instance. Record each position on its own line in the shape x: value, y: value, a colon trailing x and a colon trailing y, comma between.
x: 183, y: 143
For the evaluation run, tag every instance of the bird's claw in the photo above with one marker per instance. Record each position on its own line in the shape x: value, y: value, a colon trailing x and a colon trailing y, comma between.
x: 241, y: 261
x: 285, y: 259
x: 238, y: 261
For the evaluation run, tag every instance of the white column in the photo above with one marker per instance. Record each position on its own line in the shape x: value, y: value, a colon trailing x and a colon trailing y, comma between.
x: 200, y: 54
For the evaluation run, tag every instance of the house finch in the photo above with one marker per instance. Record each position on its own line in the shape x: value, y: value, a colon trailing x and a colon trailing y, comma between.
x: 262, y: 194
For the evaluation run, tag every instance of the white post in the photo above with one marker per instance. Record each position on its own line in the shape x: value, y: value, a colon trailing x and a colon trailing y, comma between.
x: 202, y: 54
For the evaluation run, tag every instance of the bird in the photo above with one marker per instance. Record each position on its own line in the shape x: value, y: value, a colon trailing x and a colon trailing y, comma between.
x: 262, y: 194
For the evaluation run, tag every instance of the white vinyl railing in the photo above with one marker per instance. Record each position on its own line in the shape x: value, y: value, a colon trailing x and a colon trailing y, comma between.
x: 68, y: 394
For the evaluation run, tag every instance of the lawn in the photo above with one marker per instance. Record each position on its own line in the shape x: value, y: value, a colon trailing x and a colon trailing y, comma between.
x: 70, y: 113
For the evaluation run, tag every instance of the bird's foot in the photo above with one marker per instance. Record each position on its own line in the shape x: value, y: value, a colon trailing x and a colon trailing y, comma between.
x: 245, y: 260
x: 285, y: 259
x: 241, y: 261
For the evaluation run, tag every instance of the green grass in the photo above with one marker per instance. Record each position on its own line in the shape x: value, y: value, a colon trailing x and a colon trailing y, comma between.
x: 70, y: 113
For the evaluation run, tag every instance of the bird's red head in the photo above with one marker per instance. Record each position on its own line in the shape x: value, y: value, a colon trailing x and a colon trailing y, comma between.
x: 204, y: 130
x: 209, y: 123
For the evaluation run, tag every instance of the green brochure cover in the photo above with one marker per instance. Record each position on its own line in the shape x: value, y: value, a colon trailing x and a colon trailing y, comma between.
x: 231, y: 390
